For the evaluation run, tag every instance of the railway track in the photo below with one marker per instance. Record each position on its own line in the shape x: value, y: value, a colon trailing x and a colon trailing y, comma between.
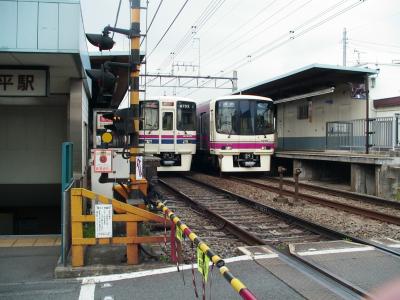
x: 221, y: 241
x: 373, y: 212
x: 253, y: 222
x: 341, y: 193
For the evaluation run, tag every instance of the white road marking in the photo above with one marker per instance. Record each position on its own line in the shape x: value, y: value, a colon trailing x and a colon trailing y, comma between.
x: 87, y: 291
x: 394, y: 243
x: 334, y: 251
x: 131, y: 275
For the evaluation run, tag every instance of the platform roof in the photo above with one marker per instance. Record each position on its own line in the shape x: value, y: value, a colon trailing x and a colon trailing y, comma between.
x: 306, y: 80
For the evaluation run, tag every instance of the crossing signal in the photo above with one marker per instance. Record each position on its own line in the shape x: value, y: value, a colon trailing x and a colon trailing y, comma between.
x: 103, y: 41
x: 122, y: 121
x: 105, y: 80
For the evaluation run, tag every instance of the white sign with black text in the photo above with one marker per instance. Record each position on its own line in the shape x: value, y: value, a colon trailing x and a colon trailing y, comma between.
x: 103, y: 220
x: 23, y: 82
x: 139, y: 167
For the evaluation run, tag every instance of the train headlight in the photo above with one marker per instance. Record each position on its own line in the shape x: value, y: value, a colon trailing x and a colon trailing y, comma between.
x: 265, y: 148
x: 226, y: 148
x: 186, y: 141
x: 149, y: 141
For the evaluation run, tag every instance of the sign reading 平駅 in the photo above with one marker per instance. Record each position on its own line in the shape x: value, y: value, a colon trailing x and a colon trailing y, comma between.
x: 23, y: 82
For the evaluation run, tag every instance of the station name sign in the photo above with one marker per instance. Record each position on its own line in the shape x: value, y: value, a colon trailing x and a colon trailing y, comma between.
x: 23, y: 82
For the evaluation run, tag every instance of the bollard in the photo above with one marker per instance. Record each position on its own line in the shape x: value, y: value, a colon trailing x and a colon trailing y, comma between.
x: 297, y: 172
x: 280, y: 197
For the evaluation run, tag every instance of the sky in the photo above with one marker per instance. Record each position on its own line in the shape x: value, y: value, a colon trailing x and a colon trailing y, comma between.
x: 260, y: 39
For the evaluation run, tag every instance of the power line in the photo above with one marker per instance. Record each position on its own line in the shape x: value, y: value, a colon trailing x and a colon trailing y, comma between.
x: 291, y: 35
x: 169, y: 27
x: 377, y: 44
x: 151, y: 22
x: 116, y: 18
x: 207, y: 13
x: 240, y: 63
x: 233, y: 46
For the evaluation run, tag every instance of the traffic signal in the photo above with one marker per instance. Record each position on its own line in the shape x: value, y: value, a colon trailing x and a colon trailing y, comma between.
x: 105, y: 80
x: 103, y: 41
x: 122, y: 121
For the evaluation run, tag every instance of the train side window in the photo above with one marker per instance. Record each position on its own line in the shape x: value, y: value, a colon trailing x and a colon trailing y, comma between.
x: 167, y: 120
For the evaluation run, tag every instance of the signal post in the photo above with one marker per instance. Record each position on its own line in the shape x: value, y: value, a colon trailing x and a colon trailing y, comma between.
x: 136, y: 180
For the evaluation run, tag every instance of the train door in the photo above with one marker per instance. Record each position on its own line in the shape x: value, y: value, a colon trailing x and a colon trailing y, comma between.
x: 168, y: 138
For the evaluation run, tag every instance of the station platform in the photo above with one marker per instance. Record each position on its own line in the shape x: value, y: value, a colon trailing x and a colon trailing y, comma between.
x: 29, y: 240
x: 374, y: 174
x: 340, y: 156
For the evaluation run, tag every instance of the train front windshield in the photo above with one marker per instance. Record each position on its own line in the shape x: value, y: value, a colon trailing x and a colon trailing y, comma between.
x: 149, y: 112
x: 186, y: 120
x: 244, y: 117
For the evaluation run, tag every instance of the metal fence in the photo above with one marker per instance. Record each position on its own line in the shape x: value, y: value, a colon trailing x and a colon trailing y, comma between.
x: 351, y: 135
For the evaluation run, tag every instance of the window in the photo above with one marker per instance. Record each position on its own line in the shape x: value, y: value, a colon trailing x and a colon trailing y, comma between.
x: 149, y: 114
x: 186, y: 119
x: 244, y: 117
x: 302, y: 111
x: 264, y: 122
x: 167, y: 120
x: 227, y: 116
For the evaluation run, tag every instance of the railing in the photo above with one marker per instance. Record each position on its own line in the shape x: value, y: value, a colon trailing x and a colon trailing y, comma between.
x: 351, y: 135
x: 129, y: 214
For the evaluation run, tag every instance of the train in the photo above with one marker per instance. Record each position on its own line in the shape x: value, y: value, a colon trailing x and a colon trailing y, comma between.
x: 167, y: 130
x: 236, y: 133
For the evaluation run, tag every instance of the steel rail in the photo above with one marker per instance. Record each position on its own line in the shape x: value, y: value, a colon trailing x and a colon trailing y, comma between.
x: 346, y: 194
x: 239, y: 232
x: 330, y: 203
x: 244, y: 235
x: 311, y: 226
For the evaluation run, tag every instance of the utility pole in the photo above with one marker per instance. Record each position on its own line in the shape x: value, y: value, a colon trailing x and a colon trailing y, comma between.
x: 344, y: 41
x: 135, y: 179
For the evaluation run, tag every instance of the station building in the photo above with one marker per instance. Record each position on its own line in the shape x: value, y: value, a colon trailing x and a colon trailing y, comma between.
x: 44, y: 101
x: 321, y: 113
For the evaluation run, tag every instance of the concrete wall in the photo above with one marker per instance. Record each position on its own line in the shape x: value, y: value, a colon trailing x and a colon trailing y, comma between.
x: 78, y: 126
x: 310, y: 134
x: 31, y: 142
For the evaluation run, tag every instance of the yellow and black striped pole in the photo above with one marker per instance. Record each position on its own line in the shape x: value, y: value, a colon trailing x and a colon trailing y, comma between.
x: 236, y: 284
x: 134, y: 98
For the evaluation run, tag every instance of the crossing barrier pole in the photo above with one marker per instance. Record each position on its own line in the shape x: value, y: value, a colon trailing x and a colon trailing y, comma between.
x: 236, y: 284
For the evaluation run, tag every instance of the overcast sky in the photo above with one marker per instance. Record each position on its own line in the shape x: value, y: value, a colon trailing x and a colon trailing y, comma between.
x: 260, y: 39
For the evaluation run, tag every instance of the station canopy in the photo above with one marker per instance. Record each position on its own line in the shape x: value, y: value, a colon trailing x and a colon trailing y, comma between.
x: 311, y: 80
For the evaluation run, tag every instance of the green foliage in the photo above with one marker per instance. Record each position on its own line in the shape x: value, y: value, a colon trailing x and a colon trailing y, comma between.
x: 88, y: 230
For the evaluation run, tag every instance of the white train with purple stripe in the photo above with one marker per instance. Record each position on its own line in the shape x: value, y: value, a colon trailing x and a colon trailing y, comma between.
x: 168, y: 130
x: 237, y: 133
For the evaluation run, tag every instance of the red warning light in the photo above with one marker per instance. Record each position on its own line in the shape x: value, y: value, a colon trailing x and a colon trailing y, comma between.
x: 103, y: 159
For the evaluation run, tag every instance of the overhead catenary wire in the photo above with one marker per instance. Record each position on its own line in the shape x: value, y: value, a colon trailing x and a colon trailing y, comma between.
x: 116, y: 18
x: 166, y: 31
x: 286, y: 38
x: 233, y: 46
x: 151, y: 22
x: 310, y: 20
x: 206, y: 15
